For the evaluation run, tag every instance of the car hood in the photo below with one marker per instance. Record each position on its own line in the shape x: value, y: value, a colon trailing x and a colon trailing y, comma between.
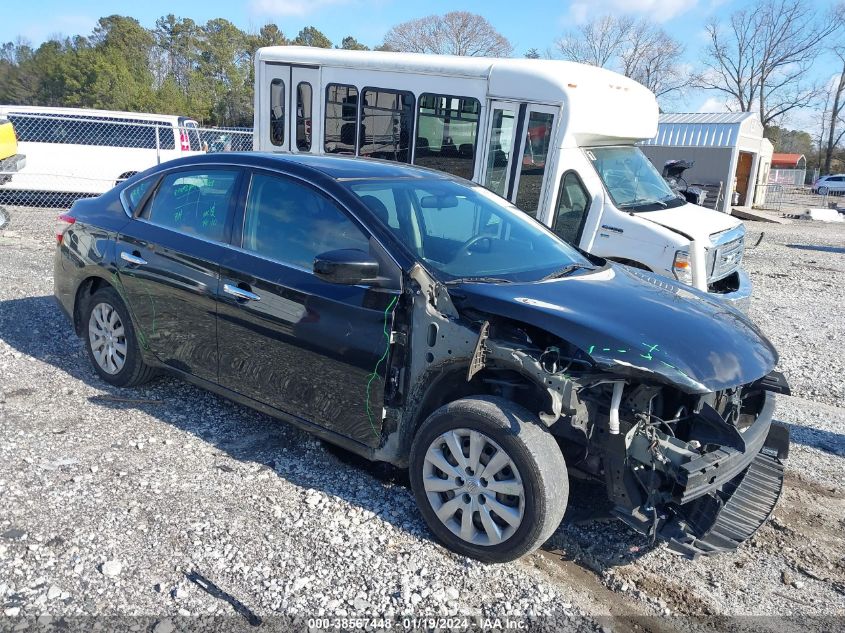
x: 693, y: 221
x: 634, y: 323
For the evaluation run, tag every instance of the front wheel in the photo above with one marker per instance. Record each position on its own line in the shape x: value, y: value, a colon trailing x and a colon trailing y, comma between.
x: 823, y: 191
x: 112, y: 344
x: 488, y: 478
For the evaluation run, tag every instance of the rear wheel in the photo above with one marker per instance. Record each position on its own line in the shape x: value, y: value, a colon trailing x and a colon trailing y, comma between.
x: 111, y: 342
x: 488, y: 478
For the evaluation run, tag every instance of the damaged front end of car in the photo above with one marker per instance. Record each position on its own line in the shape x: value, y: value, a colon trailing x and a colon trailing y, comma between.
x: 702, y: 472
x: 685, y: 443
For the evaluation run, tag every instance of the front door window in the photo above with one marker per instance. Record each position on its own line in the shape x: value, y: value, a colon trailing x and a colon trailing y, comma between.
x: 572, y: 207
x: 293, y: 223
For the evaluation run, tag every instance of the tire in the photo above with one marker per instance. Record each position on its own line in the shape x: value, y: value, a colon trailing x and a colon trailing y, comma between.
x: 823, y: 191
x: 124, y: 176
x: 534, y: 462
x: 107, y: 325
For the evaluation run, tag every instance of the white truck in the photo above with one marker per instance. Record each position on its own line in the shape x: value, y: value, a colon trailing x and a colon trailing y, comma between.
x: 558, y: 139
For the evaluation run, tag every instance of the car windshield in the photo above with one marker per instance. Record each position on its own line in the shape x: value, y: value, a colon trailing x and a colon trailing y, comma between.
x: 467, y: 233
x: 631, y: 180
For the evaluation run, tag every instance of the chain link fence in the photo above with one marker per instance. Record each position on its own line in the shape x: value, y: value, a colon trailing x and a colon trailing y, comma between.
x: 72, y: 156
x: 794, y: 200
x: 788, y: 177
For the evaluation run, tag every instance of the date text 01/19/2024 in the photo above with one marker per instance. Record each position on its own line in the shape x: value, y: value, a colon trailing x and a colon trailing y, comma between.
x: 410, y: 623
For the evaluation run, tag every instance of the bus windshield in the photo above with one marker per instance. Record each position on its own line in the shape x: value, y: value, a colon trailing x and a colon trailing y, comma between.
x: 631, y: 180
x: 466, y: 233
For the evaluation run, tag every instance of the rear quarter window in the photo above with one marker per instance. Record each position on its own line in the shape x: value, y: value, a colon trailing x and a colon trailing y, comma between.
x: 133, y: 195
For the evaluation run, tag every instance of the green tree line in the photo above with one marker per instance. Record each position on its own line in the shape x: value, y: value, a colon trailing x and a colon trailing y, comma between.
x: 204, y: 71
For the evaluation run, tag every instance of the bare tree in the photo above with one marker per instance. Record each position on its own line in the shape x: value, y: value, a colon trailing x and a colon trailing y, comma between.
x: 652, y: 57
x: 598, y: 42
x: 762, y: 57
x: 636, y: 48
x: 834, y: 114
x: 455, y: 33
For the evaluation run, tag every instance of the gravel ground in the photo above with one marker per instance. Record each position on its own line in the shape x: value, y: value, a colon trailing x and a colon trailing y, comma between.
x: 166, y: 502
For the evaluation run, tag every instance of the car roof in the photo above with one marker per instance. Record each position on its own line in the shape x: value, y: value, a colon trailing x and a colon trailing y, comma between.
x: 343, y: 168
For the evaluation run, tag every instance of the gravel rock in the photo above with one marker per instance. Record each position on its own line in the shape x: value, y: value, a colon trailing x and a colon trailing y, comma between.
x: 164, y: 626
x: 111, y: 568
x: 293, y: 529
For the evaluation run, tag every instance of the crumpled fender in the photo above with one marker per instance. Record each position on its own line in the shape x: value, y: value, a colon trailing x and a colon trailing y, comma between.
x: 637, y: 324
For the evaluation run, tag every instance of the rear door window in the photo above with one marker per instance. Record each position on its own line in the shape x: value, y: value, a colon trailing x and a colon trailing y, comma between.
x: 194, y: 202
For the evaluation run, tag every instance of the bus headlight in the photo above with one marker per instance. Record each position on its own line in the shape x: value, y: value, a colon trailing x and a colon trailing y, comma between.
x: 682, y: 267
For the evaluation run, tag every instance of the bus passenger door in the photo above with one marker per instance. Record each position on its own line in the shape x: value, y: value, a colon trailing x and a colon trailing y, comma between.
x: 519, y: 150
x: 305, y: 109
x: 536, y: 155
x: 501, y: 139
x: 273, y: 111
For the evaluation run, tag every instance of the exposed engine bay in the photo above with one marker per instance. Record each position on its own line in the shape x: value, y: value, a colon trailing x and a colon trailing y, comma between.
x: 702, y: 471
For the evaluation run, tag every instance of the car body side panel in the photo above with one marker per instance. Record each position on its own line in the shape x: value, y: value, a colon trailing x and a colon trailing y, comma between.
x: 310, y: 348
x: 172, y: 297
x: 87, y: 248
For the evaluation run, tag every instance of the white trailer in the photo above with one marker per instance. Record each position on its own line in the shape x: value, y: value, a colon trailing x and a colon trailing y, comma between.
x: 558, y: 139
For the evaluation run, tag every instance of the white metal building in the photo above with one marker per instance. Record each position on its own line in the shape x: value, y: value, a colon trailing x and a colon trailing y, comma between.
x: 728, y: 148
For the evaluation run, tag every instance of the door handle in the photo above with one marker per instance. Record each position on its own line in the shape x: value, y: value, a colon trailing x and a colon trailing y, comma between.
x: 132, y: 259
x: 240, y: 293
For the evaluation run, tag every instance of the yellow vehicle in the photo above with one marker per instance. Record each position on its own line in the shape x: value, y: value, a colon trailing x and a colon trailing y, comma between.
x: 10, y: 160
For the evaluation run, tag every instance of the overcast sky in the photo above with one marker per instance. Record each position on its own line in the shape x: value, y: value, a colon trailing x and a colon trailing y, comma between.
x: 528, y: 23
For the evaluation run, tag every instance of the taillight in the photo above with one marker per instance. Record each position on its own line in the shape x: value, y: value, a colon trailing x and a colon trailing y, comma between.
x: 63, y: 223
x: 184, y: 141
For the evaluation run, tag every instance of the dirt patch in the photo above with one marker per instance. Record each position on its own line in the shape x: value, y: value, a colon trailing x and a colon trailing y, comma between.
x: 621, y: 609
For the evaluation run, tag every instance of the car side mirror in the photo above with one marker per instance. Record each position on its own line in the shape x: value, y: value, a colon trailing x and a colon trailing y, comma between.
x: 348, y: 266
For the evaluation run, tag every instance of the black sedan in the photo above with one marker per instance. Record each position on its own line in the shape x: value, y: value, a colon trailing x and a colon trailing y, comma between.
x: 418, y: 319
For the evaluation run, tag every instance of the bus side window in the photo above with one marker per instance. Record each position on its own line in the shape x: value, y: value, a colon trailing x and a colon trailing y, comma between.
x: 277, y: 112
x: 341, y: 115
x: 386, y: 124
x: 447, y: 132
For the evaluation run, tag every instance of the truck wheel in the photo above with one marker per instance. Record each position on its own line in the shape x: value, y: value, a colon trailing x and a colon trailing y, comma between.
x: 124, y: 176
x: 488, y: 478
x: 111, y: 342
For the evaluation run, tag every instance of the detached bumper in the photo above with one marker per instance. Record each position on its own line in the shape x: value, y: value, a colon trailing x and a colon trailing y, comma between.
x: 714, y: 501
x: 723, y: 497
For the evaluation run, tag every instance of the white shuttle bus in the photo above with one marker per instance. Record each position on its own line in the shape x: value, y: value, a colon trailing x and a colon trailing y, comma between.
x: 558, y: 139
x: 82, y: 151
